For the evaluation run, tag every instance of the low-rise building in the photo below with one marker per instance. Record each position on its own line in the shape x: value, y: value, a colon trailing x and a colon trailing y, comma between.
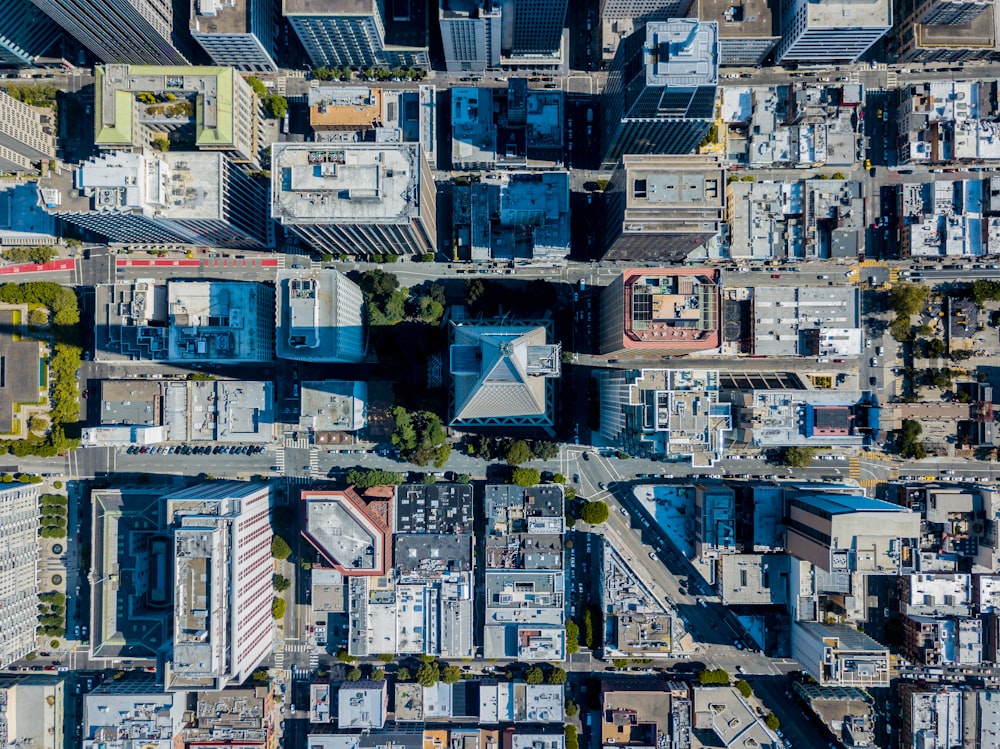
x: 349, y: 536
x: 329, y: 408
x: 362, y: 705
x: 723, y: 711
x: 799, y: 125
x: 23, y: 221
x: 513, y: 216
x: 122, y: 713
x: 840, y: 655
x: 517, y: 702
x: 936, y: 594
x: 848, y: 712
x: 320, y: 316
x: 645, y: 714
x: 946, y: 219
x: 233, y: 718
x: 657, y: 311
x: 943, y: 640
x: 753, y: 579
x: 807, y: 418
x: 32, y: 712
x: 820, y: 321
x: 932, y: 717
x: 665, y: 413
x: 947, y: 120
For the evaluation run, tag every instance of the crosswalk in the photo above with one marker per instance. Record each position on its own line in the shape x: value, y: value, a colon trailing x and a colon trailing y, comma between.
x: 854, y: 467
x: 314, y: 459
x: 891, y: 80
x: 279, y: 458
x: 297, y: 444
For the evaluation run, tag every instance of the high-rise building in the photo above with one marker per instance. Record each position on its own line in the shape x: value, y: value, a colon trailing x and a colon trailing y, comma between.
x: 840, y: 655
x: 748, y: 29
x: 220, y: 321
x: 25, y: 33
x: 19, y: 521
x: 27, y: 135
x: 223, y: 626
x: 194, y: 107
x: 320, y: 316
x: 360, y: 33
x: 829, y: 31
x: 238, y: 33
x: 137, y: 32
x: 663, y: 208
x: 644, y: 10
x: 470, y: 33
x: 657, y: 311
x: 533, y: 28
x: 355, y: 198
x: 660, y: 94
x: 189, y: 198
x: 945, y: 30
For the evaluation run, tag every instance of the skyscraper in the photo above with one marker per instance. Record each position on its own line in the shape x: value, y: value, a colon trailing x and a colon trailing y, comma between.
x: 660, y: 95
x: 533, y: 27
x: 26, y: 135
x: 25, y: 32
x: 239, y: 33
x: 19, y: 573
x: 359, y: 33
x: 826, y: 31
x: 470, y: 34
x: 132, y: 31
x: 223, y: 626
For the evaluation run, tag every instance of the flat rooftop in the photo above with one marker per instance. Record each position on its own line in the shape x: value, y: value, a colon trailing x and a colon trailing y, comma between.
x: 319, y: 316
x: 220, y: 17
x: 671, y: 308
x: 333, y: 405
x: 741, y: 19
x: 345, y: 183
x: 850, y: 14
x: 340, y: 528
x: 219, y: 320
x: 434, y: 508
x: 682, y: 53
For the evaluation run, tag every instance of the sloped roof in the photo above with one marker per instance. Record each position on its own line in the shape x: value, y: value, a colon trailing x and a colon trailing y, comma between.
x: 490, y: 369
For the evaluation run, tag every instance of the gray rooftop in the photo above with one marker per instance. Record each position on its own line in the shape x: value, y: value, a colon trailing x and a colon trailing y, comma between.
x: 682, y: 53
x: 434, y: 508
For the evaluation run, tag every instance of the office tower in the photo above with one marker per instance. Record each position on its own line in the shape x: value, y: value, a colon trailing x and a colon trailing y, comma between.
x: 660, y: 95
x: 25, y: 33
x: 19, y: 519
x: 139, y: 32
x: 748, y: 29
x: 194, y: 107
x: 470, y: 33
x: 361, y: 33
x: 192, y: 198
x: 533, y: 28
x: 223, y: 626
x: 238, y: 33
x: 656, y: 311
x: 945, y: 30
x: 27, y: 135
x: 830, y: 31
x: 646, y: 10
x: 355, y: 198
x: 320, y: 316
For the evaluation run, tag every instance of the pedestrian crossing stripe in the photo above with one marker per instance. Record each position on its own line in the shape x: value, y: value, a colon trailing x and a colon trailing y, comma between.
x: 854, y: 467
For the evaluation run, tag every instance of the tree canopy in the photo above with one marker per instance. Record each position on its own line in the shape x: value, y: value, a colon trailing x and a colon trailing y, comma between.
x: 420, y: 437
x: 715, y: 676
x: 525, y: 476
x: 594, y: 513
x: 797, y: 457
x: 906, y: 298
x: 428, y: 674
x: 366, y: 478
x: 534, y: 675
x: 280, y: 548
x: 518, y: 452
x: 909, y: 440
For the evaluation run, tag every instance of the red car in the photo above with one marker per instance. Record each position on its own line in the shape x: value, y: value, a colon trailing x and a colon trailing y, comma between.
x: 775, y: 275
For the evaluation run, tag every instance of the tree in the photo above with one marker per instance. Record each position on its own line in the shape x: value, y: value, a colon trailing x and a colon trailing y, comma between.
x: 534, y: 675
x: 34, y: 254
x: 37, y: 424
x: 377, y: 674
x: 428, y: 674
x: 572, y: 637
x: 260, y: 675
x: 430, y: 310
x: 257, y: 85
x: 715, y: 676
x: 281, y: 583
x: 572, y: 742
x: 744, y: 688
x: 403, y: 674
x: 38, y: 317
x: 572, y: 709
x: 474, y: 290
x: 907, y: 299
x: 518, y: 452
x: 386, y: 657
x: 909, y: 440
x: 594, y: 513
x: 344, y: 657
x: 161, y: 143
x: 936, y: 348
x: 525, y: 476
x: 797, y: 457
x: 772, y: 722
x: 463, y: 478
x: 588, y: 629
x: 280, y: 549
x: 420, y: 437
x: 570, y: 494
x: 545, y: 450
x: 276, y: 105
x: 366, y: 478
x: 278, y: 606
x: 557, y: 676
x: 451, y: 674
x: 559, y: 478
x: 353, y: 674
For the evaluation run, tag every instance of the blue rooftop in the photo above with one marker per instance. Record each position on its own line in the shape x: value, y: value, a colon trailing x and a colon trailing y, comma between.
x: 839, y: 504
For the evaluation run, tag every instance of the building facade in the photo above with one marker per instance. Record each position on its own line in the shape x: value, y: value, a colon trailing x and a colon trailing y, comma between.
x: 25, y: 33
x: 237, y: 33
x: 535, y: 27
x: 137, y: 32
x: 19, y: 523
x: 831, y: 31
x: 223, y: 590
x: 27, y: 135
x: 748, y: 29
x: 661, y: 89
x: 945, y: 30
x: 470, y: 33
